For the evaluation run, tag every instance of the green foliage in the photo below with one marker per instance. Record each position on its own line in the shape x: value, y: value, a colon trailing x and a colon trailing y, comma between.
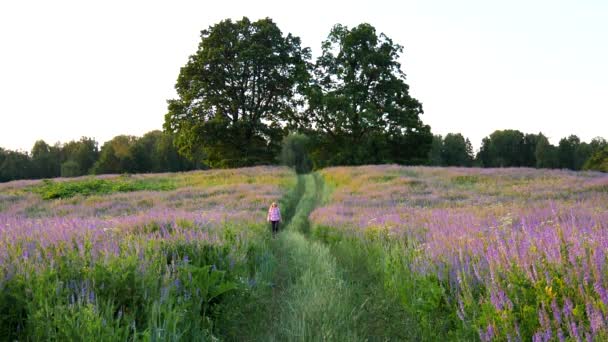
x: 546, y: 155
x: 456, y: 150
x: 504, y: 148
x: 434, y: 157
x: 70, y: 168
x: 93, y: 186
x: 15, y: 165
x: 512, y: 148
x: 567, y: 150
x: 294, y: 153
x: 598, y: 161
x: 118, y: 299
x: 360, y: 103
x: 236, y: 92
x: 426, y: 311
x: 45, y: 160
x: 116, y: 156
x: 84, y: 153
x: 154, y: 152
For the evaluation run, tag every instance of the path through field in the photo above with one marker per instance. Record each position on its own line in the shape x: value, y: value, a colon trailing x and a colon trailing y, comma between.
x: 318, y: 295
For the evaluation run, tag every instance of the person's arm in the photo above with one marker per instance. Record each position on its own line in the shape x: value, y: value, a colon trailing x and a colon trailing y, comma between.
x: 279, y: 212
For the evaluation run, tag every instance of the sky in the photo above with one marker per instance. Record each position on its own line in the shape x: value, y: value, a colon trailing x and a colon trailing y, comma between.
x: 103, y: 68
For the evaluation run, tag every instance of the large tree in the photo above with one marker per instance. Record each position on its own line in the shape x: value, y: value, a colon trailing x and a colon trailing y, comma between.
x: 360, y: 103
x: 238, y: 93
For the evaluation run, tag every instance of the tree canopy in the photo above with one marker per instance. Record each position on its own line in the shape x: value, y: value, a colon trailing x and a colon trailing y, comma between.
x: 360, y: 104
x: 238, y: 93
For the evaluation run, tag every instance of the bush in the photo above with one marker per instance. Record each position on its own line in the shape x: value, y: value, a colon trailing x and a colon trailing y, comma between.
x: 53, y: 190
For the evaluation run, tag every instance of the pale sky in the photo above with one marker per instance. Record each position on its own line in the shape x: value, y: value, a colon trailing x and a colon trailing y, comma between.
x: 82, y: 68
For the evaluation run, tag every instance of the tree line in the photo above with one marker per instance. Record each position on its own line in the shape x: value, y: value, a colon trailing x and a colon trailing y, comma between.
x: 512, y: 148
x: 153, y: 152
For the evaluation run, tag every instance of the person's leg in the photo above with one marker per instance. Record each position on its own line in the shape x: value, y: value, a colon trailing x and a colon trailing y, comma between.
x: 274, y: 227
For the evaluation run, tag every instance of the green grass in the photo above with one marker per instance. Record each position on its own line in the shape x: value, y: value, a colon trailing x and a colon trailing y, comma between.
x: 310, y: 290
x: 394, y: 303
x: 54, y: 190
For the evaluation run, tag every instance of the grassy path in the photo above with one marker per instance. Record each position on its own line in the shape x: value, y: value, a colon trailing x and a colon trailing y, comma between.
x: 311, y: 301
x: 321, y: 293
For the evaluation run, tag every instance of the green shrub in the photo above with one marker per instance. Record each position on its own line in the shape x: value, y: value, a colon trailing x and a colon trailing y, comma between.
x: 52, y: 190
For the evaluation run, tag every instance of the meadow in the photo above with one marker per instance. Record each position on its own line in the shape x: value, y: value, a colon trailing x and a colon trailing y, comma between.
x: 366, y: 253
x: 489, y: 254
x: 142, y: 257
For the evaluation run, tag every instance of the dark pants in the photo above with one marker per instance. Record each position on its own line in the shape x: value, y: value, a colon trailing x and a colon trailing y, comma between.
x: 275, y: 227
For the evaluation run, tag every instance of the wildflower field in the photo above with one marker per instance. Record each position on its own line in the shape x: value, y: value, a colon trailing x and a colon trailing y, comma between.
x: 365, y: 253
x: 490, y: 254
x: 143, y: 257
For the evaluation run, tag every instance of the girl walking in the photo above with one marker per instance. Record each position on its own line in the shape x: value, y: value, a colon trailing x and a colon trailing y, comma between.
x: 274, y: 217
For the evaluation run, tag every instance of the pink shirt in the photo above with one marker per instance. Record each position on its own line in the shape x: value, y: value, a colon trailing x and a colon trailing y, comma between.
x: 274, y: 214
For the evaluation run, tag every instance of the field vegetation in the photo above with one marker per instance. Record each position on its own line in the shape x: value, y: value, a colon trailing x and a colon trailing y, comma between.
x: 85, y: 260
x: 490, y: 254
x: 366, y: 253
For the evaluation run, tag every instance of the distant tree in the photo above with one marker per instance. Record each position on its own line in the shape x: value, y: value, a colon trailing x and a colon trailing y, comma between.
x: 155, y: 152
x: 470, y: 152
x: 484, y: 157
x: 529, y: 149
x: 598, y: 161
x: 582, y: 153
x: 46, y: 162
x: 15, y: 165
x: 170, y: 160
x: 567, y: 152
x: 145, y: 154
x: 435, y: 157
x: 456, y: 150
x: 237, y: 92
x: 116, y: 156
x: 83, y: 152
x: 598, y: 144
x: 360, y: 103
x: 503, y: 148
x: 545, y: 154
x: 70, y: 168
x: 294, y: 153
